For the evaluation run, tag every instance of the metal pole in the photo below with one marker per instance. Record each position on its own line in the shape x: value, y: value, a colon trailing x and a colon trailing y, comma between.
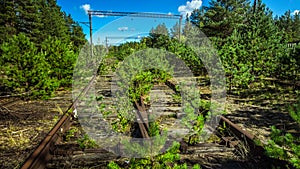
x: 106, y: 43
x: 91, y: 32
x: 180, y: 22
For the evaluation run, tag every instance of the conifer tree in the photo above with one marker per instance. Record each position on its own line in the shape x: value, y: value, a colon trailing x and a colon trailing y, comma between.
x: 160, y: 29
x: 175, y: 31
x: 221, y: 17
x: 8, y: 20
x: 38, y: 46
x: 296, y: 27
x: 29, y: 20
x: 290, y: 25
x: 265, y: 43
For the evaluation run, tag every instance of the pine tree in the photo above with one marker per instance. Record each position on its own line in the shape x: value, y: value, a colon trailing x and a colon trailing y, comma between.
x: 55, y: 25
x: 76, y: 33
x: 8, y: 20
x: 29, y: 20
x: 175, y: 31
x: 285, y: 23
x: 236, y: 64
x: 296, y: 27
x: 38, y: 45
x: 265, y: 43
x: 159, y: 37
x: 25, y: 68
x: 160, y: 29
x: 221, y: 17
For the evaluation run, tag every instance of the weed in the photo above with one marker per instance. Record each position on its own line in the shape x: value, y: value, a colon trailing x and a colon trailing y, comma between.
x: 86, y: 142
x: 71, y: 133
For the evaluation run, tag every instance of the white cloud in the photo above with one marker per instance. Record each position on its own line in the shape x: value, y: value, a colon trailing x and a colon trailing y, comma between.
x: 86, y: 7
x: 296, y: 12
x: 189, y: 7
x: 124, y: 28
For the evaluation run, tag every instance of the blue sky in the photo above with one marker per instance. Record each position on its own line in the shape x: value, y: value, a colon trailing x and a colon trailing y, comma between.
x: 108, y: 27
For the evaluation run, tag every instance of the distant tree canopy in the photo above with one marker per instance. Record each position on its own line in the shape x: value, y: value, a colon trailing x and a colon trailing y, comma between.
x: 221, y: 17
x: 38, y: 47
x: 160, y: 29
x: 290, y: 25
x: 251, y: 43
x: 38, y: 20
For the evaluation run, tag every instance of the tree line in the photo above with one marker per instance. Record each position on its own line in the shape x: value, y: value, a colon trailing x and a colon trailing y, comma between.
x: 252, y: 45
x: 38, y: 47
x: 251, y: 42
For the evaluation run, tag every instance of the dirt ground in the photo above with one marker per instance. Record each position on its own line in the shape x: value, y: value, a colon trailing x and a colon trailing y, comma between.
x: 257, y: 109
x: 23, y: 125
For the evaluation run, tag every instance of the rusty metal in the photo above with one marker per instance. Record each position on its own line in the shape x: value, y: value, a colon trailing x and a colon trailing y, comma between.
x: 243, y: 136
x: 40, y: 156
x: 142, y: 119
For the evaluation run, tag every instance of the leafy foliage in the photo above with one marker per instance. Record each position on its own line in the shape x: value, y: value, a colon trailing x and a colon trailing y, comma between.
x: 221, y: 17
x: 285, y: 146
x: 61, y: 59
x: 86, y: 142
x: 167, y: 160
x: 25, y: 68
x: 144, y: 81
x: 38, y: 52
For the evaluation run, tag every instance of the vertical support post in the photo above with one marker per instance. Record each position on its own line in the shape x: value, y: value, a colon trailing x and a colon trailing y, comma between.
x: 254, y: 6
x: 106, y: 43
x: 180, y: 22
x: 91, y: 32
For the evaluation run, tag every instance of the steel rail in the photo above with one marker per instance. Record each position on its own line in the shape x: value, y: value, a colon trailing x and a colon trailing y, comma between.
x: 39, y: 157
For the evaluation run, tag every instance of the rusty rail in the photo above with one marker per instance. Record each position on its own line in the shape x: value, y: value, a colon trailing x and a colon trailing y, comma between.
x: 39, y: 157
x: 243, y: 135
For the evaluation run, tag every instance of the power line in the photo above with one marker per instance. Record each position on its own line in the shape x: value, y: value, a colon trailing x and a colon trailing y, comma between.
x: 134, y: 14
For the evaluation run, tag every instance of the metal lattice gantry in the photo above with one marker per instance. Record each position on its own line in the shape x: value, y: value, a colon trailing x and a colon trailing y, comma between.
x: 121, y: 38
x: 132, y: 14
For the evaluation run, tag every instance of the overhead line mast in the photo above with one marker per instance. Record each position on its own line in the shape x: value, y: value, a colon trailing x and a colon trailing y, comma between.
x: 132, y: 14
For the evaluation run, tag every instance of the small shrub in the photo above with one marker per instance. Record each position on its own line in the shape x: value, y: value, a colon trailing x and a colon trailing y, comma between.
x: 86, y: 142
x: 26, y: 69
x: 285, y: 146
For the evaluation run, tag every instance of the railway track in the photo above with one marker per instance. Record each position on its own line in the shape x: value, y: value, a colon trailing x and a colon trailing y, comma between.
x: 233, y: 147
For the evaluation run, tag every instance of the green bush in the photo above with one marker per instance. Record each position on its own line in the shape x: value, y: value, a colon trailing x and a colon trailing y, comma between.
x: 285, y: 146
x: 61, y: 58
x: 86, y: 142
x: 169, y: 160
x: 26, y: 69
